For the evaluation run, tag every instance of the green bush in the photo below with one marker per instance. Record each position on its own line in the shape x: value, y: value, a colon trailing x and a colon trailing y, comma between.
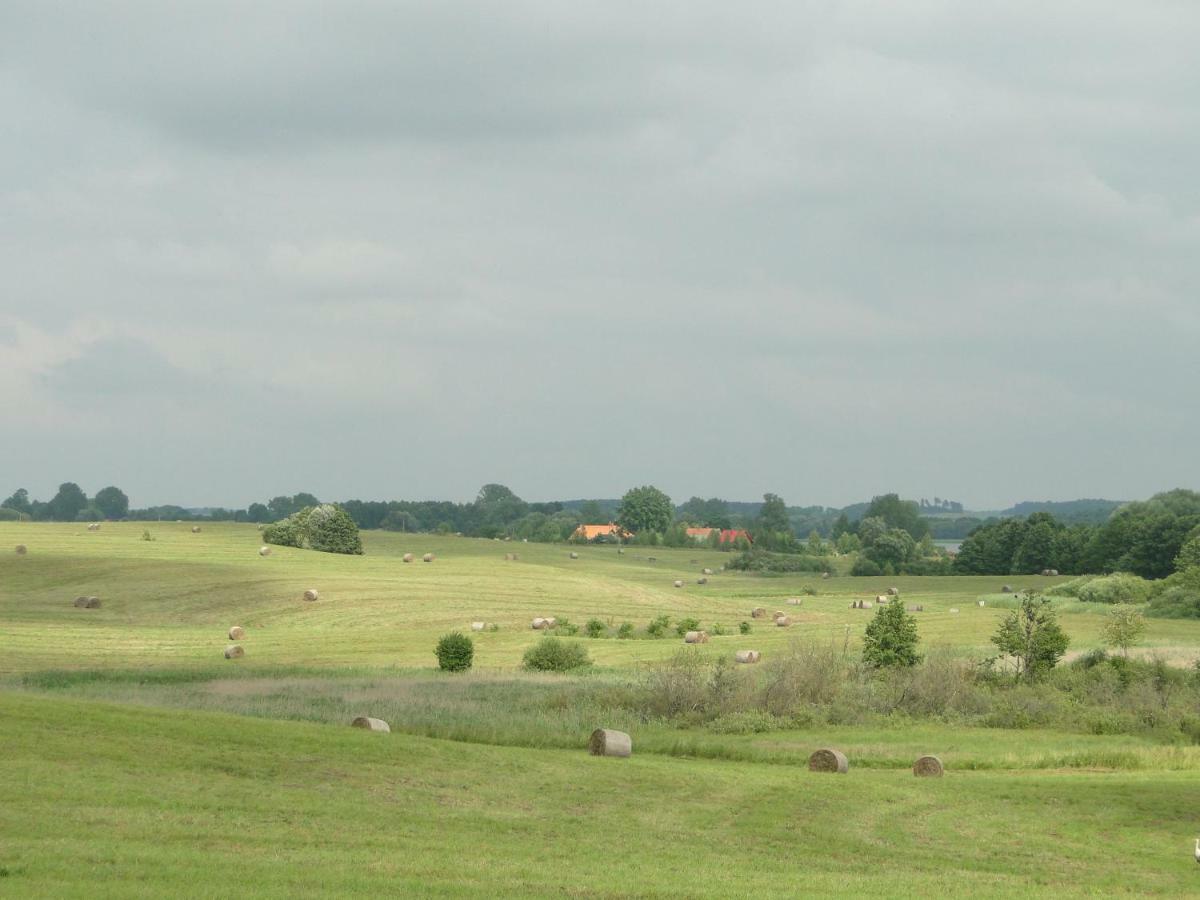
x: 1069, y: 588
x: 658, y: 626
x: 625, y: 631
x: 7, y: 514
x: 686, y: 625
x: 756, y: 560
x: 891, y: 638
x: 1120, y: 587
x: 595, y: 628
x: 744, y: 628
x: 552, y: 655
x: 327, y: 528
x: 864, y: 567
x: 455, y: 652
x: 1177, y: 597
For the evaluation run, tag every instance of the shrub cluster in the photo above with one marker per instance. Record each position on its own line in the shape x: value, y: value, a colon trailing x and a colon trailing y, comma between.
x: 327, y: 528
x: 553, y: 655
x: 455, y: 652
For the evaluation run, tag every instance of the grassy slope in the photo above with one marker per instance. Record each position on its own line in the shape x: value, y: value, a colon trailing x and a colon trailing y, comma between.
x: 100, y: 800
x: 170, y: 602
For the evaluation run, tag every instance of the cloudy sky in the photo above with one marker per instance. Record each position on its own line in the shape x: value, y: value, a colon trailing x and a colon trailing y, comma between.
x: 390, y: 250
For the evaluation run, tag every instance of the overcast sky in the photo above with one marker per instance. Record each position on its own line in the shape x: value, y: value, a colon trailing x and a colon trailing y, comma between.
x: 390, y: 250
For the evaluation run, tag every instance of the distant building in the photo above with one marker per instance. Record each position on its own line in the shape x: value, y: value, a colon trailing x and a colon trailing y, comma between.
x: 728, y: 535
x: 609, y: 532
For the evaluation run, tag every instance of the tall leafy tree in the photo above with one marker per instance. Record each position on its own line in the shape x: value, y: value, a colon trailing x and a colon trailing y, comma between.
x: 773, y: 516
x: 891, y: 638
x: 1032, y: 636
x: 646, y: 509
x: 19, y: 501
x: 898, y: 513
x: 112, y: 502
x: 68, y: 503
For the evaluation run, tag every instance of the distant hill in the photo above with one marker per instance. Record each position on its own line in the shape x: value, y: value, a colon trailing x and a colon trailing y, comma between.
x: 1090, y: 511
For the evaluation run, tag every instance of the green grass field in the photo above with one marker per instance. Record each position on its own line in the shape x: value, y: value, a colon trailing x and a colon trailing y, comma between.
x: 136, y: 761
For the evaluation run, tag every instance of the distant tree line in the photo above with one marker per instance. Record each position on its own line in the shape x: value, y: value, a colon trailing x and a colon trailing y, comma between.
x: 1145, y: 538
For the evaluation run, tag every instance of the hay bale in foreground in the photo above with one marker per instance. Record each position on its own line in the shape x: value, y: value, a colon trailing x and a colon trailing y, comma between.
x: 234, y: 651
x: 882, y: 598
x: 826, y: 760
x: 264, y: 550
x: 428, y: 557
x: 696, y: 637
x: 538, y: 623
x: 311, y: 594
x: 236, y: 633
x: 407, y: 557
x: 574, y: 555
x: 928, y: 767
x: 87, y: 602
x: 478, y: 626
x: 22, y: 550
x: 782, y: 621
x: 371, y: 724
x: 195, y: 529
x: 758, y: 612
x: 606, y: 742
x: 865, y: 604
x: 747, y: 656
x: 893, y: 591
x: 678, y: 583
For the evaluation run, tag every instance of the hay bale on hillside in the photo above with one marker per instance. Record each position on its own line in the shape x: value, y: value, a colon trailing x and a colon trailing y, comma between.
x: 701, y: 580
x: 236, y: 633
x: 854, y: 604
x: 706, y: 571
x: 195, y: 529
x: 21, y: 550
x: 551, y: 622
x: 371, y: 724
x: 782, y: 621
x: 982, y: 602
x: 234, y: 651
x: 747, y: 656
x: 264, y: 550
x: 777, y: 614
x: 407, y: 557
x: 881, y: 598
x: 87, y: 602
x: 1050, y: 572
x: 538, y: 624
x: 311, y: 595
x: 478, y: 626
x: 795, y: 601
x: 826, y: 760
x: 573, y: 555
x: 928, y: 767
x: 606, y: 742
x: 758, y: 613
x: 428, y: 557
x: 953, y: 611
x: 696, y: 637
x: 824, y: 574
x: 678, y: 583
x: 893, y: 591
x: 1006, y: 589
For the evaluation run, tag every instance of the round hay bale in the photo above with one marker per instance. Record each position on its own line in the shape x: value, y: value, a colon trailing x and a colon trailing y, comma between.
x: 824, y: 574
x: 696, y: 637
x: 777, y: 614
x: 854, y: 604
x: 882, y: 598
x: 865, y: 604
x: 407, y: 557
x: 1050, y: 572
x: 195, y: 529
x: 782, y: 621
x: 1006, y: 589
x: 264, y: 551
x: 920, y: 607
x: 22, y: 550
x: 87, y: 602
x: 953, y: 611
x: 982, y: 603
x: 234, y: 651
x: 606, y: 742
x: 893, y: 591
x: 795, y: 601
x: 428, y: 557
x: 574, y: 555
x: 747, y: 656
x: 678, y: 583
x: 236, y: 633
x: 758, y: 613
x: 538, y: 624
x: 928, y: 767
x: 311, y: 594
x: 701, y: 580
x: 826, y: 760
x: 478, y: 626
x: 706, y: 571
x: 551, y: 622
x: 371, y: 724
